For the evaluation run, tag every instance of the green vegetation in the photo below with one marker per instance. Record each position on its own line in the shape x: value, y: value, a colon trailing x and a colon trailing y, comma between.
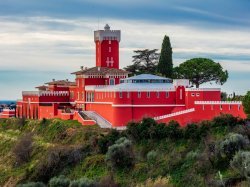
x: 201, y: 70
x: 165, y: 65
x: 64, y: 153
x: 144, y: 61
x: 246, y: 104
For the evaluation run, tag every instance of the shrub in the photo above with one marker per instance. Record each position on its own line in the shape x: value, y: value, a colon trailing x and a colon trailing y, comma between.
x: 23, y: 148
x: 233, y: 143
x: 56, y: 159
x: 21, y: 122
x: 108, y: 181
x: 159, y: 182
x: 226, y: 120
x: 151, y: 157
x: 241, y: 163
x: 105, y: 141
x: 32, y: 184
x: 83, y: 182
x: 120, y: 155
x: 246, y: 103
x: 192, y: 132
x: 60, y: 181
x: 173, y: 130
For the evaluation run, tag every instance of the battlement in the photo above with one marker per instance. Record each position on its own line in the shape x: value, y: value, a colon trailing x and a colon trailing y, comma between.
x: 218, y: 102
x: 107, y: 34
x: 45, y: 93
x: 202, y: 89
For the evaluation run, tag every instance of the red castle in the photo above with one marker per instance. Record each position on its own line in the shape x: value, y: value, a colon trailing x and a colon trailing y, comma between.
x: 107, y: 96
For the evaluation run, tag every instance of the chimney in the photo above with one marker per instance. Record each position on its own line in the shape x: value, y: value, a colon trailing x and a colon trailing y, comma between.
x: 53, y: 80
x: 82, y: 67
x: 67, y: 80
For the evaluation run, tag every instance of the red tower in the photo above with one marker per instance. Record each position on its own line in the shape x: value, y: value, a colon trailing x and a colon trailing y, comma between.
x: 107, y: 47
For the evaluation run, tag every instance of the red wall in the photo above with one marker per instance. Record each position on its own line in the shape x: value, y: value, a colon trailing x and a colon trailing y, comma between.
x: 102, y: 52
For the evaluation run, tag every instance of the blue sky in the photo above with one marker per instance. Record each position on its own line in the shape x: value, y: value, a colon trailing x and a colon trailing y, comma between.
x: 42, y: 40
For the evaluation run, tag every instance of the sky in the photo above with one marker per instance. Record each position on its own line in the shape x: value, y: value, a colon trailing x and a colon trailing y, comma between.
x: 46, y: 39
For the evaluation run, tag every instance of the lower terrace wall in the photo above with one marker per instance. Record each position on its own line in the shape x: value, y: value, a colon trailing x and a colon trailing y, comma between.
x: 206, y: 112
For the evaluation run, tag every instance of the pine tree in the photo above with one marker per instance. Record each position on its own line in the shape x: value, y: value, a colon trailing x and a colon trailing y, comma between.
x: 165, y: 66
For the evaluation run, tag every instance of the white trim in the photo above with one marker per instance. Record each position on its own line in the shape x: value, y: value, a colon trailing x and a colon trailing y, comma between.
x: 175, y: 114
x: 1, y: 114
x: 202, y: 89
x: 110, y: 103
x: 146, y: 105
x: 217, y: 102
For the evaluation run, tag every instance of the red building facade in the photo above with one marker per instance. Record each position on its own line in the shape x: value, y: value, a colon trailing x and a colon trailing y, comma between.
x: 104, y: 94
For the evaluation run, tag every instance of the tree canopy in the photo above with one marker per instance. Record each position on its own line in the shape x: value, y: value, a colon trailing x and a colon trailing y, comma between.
x: 201, y: 70
x: 145, y: 61
x: 165, y: 65
x: 246, y: 103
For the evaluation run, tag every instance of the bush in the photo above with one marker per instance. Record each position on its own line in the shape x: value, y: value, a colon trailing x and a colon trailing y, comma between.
x: 246, y: 103
x: 60, y: 181
x: 241, y: 163
x: 173, y: 130
x: 105, y: 141
x: 226, y: 120
x: 159, y: 182
x: 23, y: 148
x: 32, y: 184
x: 151, y: 157
x: 108, y: 181
x: 83, y: 182
x: 233, y: 143
x: 56, y: 159
x: 120, y: 155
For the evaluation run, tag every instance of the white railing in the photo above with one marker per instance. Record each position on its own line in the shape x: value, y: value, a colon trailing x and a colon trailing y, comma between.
x: 45, y: 93
x: 174, y: 114
x: 218, y: 102
x: 31, y: 93
x: 203, y: 89
x: 8, y: 110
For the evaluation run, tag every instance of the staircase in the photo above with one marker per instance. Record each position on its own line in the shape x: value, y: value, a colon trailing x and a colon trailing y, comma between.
x: 103, y: 123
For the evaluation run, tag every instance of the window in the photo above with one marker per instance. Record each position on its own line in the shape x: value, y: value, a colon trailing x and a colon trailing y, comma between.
x: 198, y: 95
x: 120, y: 94
x: 127, y: 94
x: 157, y: 94
x: 110, y: 49
x: 111, y: 81
x: 192, y: 94
x: 78, y: 95
x: 109, y: 41
x: 139, y: 94
x: 181, y: 94
x: 230, y: 107
x: 203, y: 107
x: 148, y: 94
x: 238, y: 107
x: 220, y: 107
x: 167, y: 94
x: 82, y: 96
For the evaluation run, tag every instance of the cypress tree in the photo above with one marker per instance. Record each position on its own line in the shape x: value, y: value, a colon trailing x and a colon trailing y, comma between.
x: 165, y: 66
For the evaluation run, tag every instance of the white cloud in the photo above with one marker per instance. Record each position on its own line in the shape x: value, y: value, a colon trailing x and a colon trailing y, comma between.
x: 62, y: 45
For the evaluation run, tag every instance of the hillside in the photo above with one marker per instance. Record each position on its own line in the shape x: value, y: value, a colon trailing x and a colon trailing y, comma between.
x: 146, y: 154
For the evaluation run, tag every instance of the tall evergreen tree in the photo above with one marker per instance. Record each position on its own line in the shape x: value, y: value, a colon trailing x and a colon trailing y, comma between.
x: 165, y: 66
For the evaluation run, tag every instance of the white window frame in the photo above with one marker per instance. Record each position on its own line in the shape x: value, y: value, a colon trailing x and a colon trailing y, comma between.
x: 148, y: 94
x: 158, y: 94
x: 139, y: 94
